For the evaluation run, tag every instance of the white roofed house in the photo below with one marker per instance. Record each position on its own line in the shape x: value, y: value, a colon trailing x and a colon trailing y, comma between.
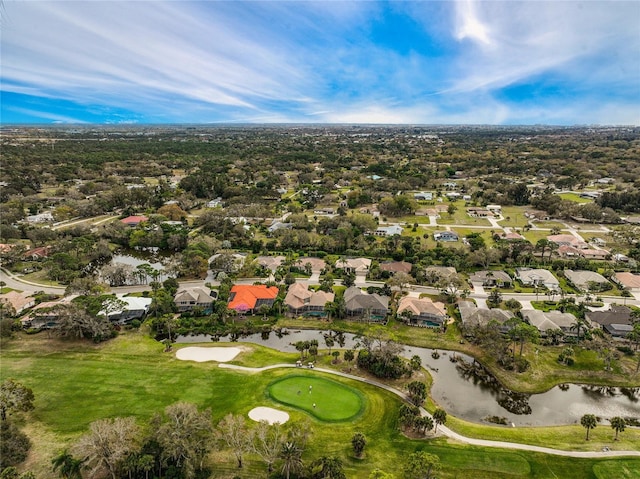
x: 126, y: 308
x: 187, y: 299
x: 354, y: 265
x: 537, y: 277
x: 587, y: 280
x: 388, y: 231
x: 422, y: 312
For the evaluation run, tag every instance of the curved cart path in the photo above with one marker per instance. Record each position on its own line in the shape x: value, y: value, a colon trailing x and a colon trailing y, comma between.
x: 445, y: 430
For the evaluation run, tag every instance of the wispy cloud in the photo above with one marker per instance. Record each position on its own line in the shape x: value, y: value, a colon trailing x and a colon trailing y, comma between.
x: 276, y: 61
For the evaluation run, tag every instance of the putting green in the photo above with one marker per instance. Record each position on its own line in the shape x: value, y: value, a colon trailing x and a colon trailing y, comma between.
x: 333, y: 401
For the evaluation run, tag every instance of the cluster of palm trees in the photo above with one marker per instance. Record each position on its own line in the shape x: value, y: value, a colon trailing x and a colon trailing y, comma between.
x: 590, y: 421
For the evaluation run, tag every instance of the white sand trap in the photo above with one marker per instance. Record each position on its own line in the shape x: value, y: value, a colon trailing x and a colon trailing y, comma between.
x: 200, y: 355
x: 268, y: 414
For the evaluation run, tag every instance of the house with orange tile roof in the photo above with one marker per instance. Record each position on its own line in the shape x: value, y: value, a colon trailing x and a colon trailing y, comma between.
x: 134, y: 220
x: 249, y: 297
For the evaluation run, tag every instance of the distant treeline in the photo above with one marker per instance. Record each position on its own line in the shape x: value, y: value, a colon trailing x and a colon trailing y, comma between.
x: 627, y: 201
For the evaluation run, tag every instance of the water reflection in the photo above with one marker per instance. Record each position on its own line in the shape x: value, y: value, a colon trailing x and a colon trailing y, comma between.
x: 466, y: 390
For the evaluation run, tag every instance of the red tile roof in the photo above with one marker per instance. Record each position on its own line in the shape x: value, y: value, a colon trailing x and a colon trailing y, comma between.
x: 134, y: 220
x: 245, y: 296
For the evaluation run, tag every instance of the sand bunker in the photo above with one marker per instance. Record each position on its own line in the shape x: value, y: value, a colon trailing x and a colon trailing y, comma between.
x: 268, y: 414
x: 200, y: 355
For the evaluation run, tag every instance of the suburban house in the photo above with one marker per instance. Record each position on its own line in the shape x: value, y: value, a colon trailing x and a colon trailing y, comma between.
x: 271, y: 263
x: 512, y: 236
x: 134, y: 220
x: 249, y: 297
x: 396, y: 267
x: 422, y: 312
x: 40, y: 218
x: 588, y: 253
x: 301, y: 301
x: 278, y: 225
x: 423, y: 196
x: 45, y: 315
x: 544, y: 321
x: 587, y: 280
x: 187, y: 299
x: 537, y: 277
x: 388, y: 231
x: 18, y: 301
x: 133, y: 308
x: 372, y: 307
x: 498, y: 279
x: 616, y: 321
x: 36, y: 254
x: 479, y: 213
x: 472, y: 316
x: 445, y: 236
x: 628, y: 280
x: 495, y: 209
x: 354, y: 265
x: 317, y: 264
x: 215, y: 202
x: 433, y: 274
x: 567, y: 240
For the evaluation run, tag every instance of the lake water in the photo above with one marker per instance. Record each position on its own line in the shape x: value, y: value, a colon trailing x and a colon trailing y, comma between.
x: 468, y: 397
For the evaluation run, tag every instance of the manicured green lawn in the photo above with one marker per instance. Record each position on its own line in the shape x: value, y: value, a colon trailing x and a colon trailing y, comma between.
x: 322, y: 398
x: 76, y: 383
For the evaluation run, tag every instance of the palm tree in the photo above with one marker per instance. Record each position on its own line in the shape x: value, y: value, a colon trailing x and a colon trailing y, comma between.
x: 68, y: 466
x: 579, y: 325
x: 618, y: 424
x: 291, y: 454
x: 439, y: 417
x: 588, y: 421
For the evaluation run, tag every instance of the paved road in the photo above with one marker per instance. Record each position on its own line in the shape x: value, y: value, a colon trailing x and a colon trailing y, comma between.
x: 445, y: 430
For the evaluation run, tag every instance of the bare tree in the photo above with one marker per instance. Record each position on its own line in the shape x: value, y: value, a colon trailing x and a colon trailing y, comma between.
x: 185, y: 436
x: 267, y: 443
x: 108, y: 444
x: 233, y: 431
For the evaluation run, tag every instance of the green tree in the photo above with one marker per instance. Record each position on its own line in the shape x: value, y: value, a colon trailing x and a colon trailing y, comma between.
x: 415, y: 362
x: 421, y: 465
x: 291, y: 455
x: 439, y: 417
x: 67, y: 466
x: 14, y: 397
x: 14, y: 445
x: 379, y: 474
x: 588, y: 421
x: 618, y: 424
x: 417, y: 392
x: 358, y: 441
x: 327, y: 468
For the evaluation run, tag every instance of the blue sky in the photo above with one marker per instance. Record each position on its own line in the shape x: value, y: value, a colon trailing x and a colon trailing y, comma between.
x: 420, y: 62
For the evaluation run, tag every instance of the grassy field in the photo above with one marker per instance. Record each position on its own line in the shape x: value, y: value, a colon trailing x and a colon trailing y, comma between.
x: 575, y: 198
x: 77, y: 383
x: 322, y: 398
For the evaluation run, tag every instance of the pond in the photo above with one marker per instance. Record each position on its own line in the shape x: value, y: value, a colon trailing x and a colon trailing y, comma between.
x: 469, y: 392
